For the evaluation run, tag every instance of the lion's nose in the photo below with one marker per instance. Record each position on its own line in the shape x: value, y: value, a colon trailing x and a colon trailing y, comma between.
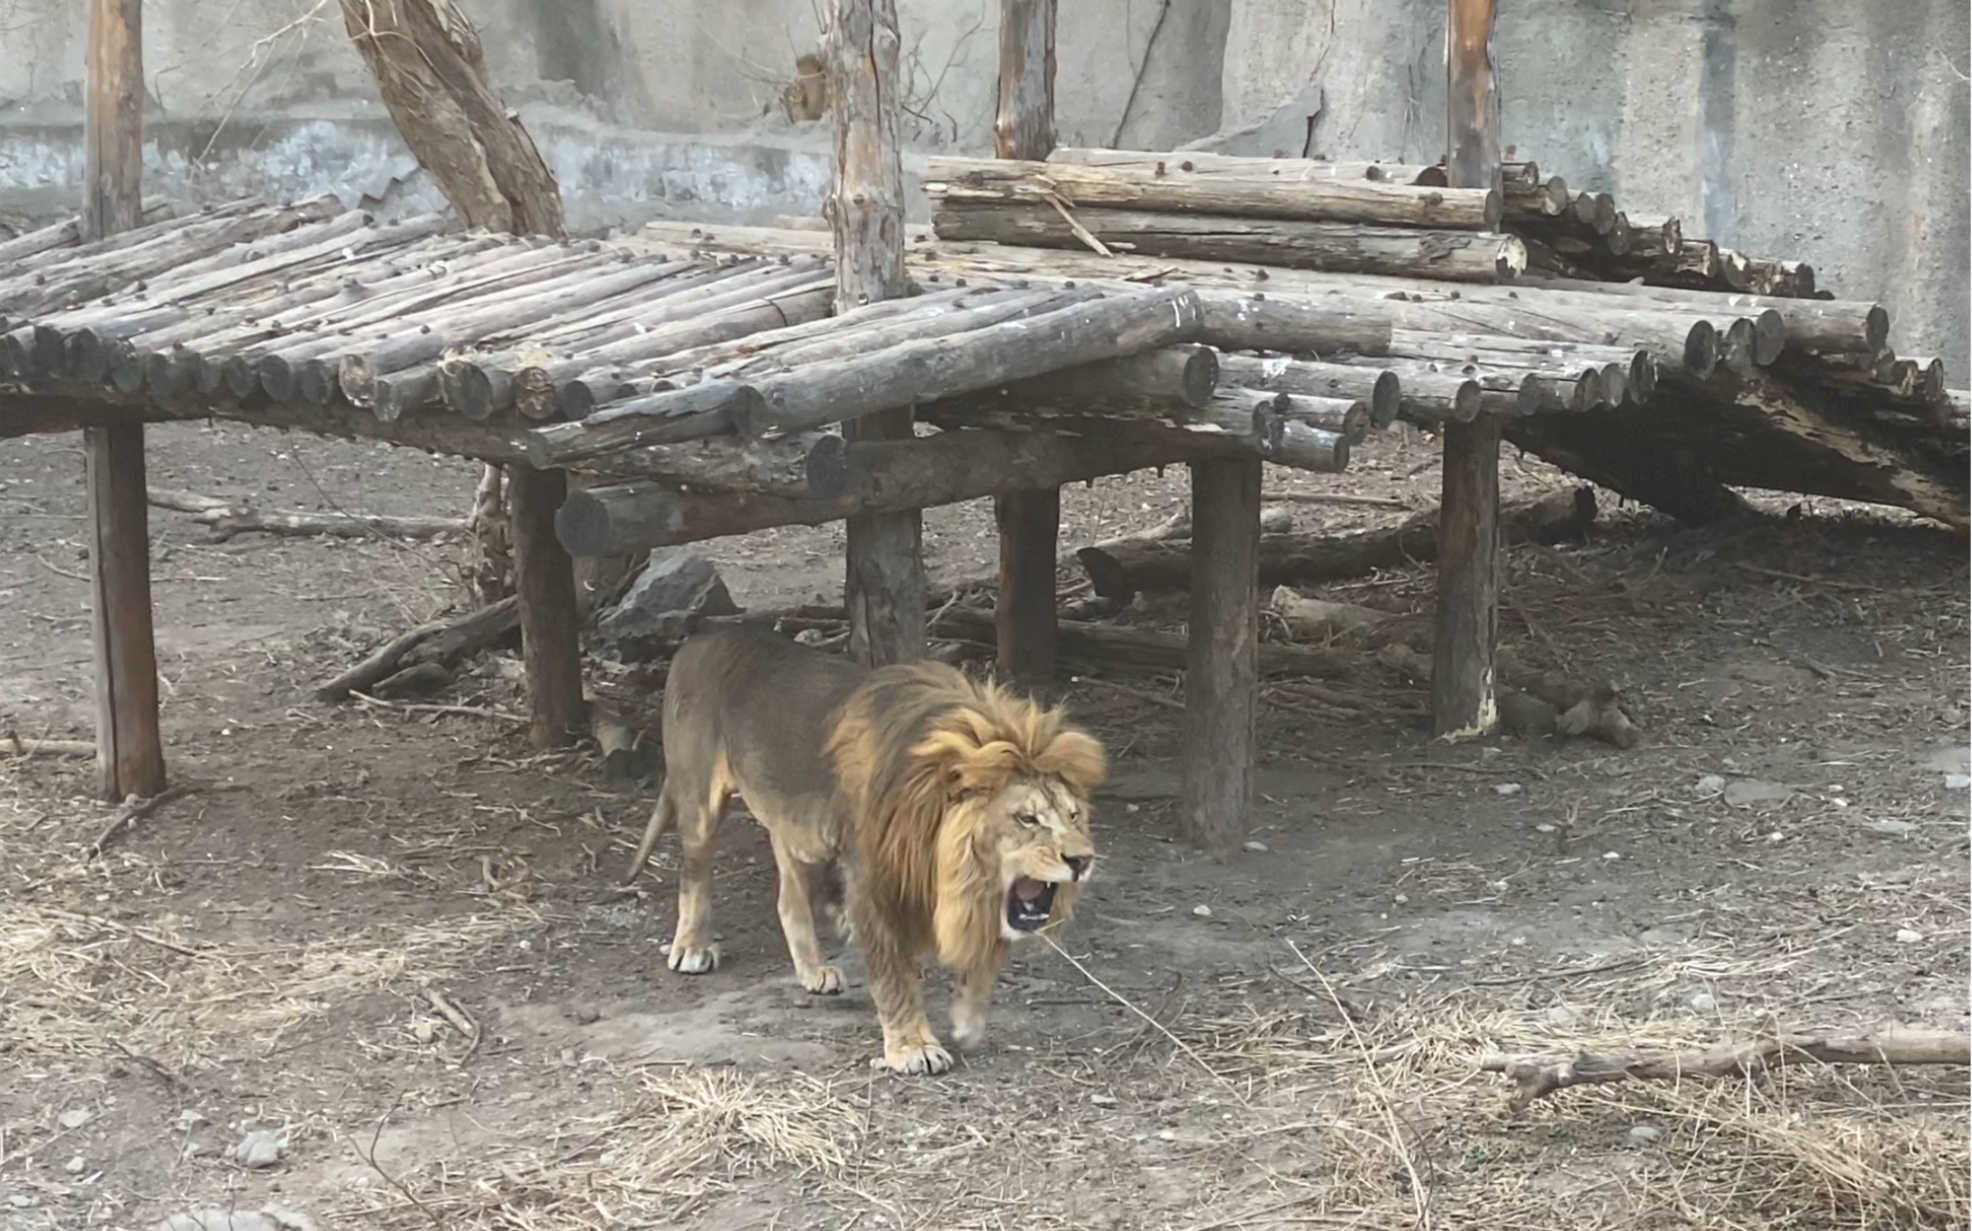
x: 1078, y: 865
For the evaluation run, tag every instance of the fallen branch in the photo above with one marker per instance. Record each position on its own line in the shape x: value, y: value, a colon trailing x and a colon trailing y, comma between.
x: 228, y: 519
x: 15, y: 746
x: 1145, y: 649
x: 1121, y: 568
x: 443, y: 641
x: 1539, y: 1078
x: 127, y: 817
x: 1533, y: 703
x: 416, y: 707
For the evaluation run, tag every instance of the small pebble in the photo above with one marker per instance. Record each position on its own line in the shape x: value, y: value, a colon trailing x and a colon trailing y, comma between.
x: 1103, y: 1100
x: 1507, y: 788
x: 1906, y: 936
x: 1402, y: 899
x: 1612, y: 856
x: 1258, y: 848
x: 1712, y: 784
x: 1776, y: 836
x: 19, y: 1201
x: 1702, y: 1002
x: 1544, y: 829
x: 75, y: 1117
x: 1957, y: 782
x: 262, y: 1147
x: 1203, y: 912
x: 1560, y: 1015
x: 1643, y: 1134
x: 75, y: 1165
x: 1895, y: 829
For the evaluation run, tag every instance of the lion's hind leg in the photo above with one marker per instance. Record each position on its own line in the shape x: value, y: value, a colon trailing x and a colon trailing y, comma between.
x: 699, y: 807
x: 972, y: 995
x: 797, y: 913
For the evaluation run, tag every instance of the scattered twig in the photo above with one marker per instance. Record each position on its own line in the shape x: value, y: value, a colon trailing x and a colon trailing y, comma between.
x: 133, y: 811
x: 1161, y: 1028
x: 1806, y: 580
x: 402, y: 1191
x: 1140, y: 694
x: 421, y: 707
x: 456, y: 1018
x: 1539, y: 1078
x: 61, y: 572
x: 1368, y: 502
x: 155, y: 1067
x: 1420, y: 1195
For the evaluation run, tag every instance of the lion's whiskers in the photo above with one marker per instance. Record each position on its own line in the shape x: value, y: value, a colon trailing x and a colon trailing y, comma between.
x: 1123, y: 1000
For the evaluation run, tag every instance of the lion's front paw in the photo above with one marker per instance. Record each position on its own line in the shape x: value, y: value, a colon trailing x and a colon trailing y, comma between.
x: 923, y: 1059
x: 823, y: 980
x: 692, y: 959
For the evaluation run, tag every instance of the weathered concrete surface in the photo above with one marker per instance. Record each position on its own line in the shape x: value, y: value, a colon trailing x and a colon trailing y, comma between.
x: 1820, y: 130
x: 1826, y: 130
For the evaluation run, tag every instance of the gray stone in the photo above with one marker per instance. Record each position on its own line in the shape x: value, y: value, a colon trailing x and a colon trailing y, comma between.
x: 268, y: 1219
x: 1283, y: 134
x: 1711, y: 786
x: 1643, y: 1135
x: 1955, y: 759
x: 665, y: 603
x: 1892, y: 829
x: 75, y: 1117
x: 1742, y: 791
x: 263, y: 1147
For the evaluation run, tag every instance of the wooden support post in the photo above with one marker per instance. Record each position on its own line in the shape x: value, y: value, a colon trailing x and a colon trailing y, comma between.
x: 129, y: 748
x: 1029, y: 521
x: 883, y: 586
x: 1462, y: 700
x: 1222, y: 662
x: 550, y: 644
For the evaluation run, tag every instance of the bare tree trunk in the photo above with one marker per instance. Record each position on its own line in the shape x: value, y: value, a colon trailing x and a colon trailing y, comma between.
x: 431, y: 71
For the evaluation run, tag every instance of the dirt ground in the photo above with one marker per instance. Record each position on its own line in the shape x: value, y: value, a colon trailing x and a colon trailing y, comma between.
x: 1289, y: 1036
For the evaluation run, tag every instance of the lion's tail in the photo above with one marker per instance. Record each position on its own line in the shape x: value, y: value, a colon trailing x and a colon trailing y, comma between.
x: 662, y: 818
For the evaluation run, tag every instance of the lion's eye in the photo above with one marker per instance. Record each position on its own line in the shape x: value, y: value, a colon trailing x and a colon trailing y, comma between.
x: 1027, y: 818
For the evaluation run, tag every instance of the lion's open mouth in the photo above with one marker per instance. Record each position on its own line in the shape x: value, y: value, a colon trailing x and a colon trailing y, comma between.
x: 1029, y: 903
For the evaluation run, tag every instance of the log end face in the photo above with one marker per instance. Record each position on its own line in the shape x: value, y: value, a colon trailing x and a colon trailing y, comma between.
x: 1466, y: 402
x: 1769, y: 336
x: 1876, y: 327
x: 276, y: 378
x: 1201, y: 376
x: 239, y: 377
x: 826, y: 467
x: 748, y: 408
x: 1386, y: 395
x: 1702, y: 346
x: 582, y: 523
x: 358, y: 378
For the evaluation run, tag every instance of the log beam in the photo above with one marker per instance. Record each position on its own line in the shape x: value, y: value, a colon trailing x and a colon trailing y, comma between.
x: 884, y: 582
x: 1462, y: 700
x: 1222, y: 665
x: 129, y: 746
x: 1029, y: 522
x: 880, y: 477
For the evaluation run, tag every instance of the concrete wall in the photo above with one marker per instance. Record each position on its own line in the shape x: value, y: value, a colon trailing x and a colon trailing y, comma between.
x: 1825, y: 130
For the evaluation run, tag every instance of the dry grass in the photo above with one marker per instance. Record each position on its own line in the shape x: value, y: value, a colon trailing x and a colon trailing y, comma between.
x: 681, y: 1137
x: 81, y: 985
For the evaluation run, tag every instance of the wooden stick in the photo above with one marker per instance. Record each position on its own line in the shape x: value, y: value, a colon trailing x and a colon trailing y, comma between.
x: 1379, y: 391
x: 1539, y: 1078
x: 1222, y: 676
x: 440, y: 641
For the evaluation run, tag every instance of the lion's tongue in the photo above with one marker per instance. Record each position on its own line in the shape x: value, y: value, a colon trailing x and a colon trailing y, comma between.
x: 1026, y: 888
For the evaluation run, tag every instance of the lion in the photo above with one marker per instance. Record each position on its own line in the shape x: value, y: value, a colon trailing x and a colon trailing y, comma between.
x: 949, y: 818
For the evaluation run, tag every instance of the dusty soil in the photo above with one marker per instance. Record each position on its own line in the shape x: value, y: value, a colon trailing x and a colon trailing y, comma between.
x: 1289, y: 1036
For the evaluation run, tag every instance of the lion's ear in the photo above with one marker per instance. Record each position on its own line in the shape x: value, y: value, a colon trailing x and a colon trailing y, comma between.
x: 1075, y: 758
x: 964, y: 763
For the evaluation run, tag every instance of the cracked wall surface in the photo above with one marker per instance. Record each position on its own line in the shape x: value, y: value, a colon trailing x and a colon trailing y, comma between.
x: 1821, y: 130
